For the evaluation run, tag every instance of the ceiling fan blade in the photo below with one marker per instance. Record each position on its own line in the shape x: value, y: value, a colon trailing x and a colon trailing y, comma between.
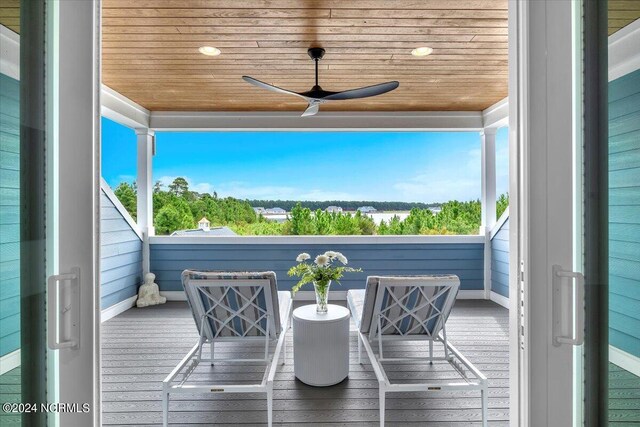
x: 272, y: 88
x: 363, y: 92
x: 312, y: 109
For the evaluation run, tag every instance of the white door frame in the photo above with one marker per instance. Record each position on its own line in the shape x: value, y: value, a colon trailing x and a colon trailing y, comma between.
x: 541, y: 207
x: 76, y: 145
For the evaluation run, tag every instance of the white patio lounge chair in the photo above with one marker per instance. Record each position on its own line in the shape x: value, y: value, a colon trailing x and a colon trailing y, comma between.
x: 411, y: 308
x: 232, y: 307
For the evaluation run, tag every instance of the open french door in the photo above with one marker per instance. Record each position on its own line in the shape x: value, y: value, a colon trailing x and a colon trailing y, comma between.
x: 58, y: 215
x: 545, y: 296
x: 555, y: 188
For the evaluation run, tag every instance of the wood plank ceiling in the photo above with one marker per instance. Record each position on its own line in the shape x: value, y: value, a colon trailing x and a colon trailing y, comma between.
x: 150, y: 52
x: 622, y: 13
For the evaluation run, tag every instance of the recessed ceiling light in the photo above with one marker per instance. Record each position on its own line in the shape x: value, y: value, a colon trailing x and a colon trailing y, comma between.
x: 422, y: 51
x: 210, y: 51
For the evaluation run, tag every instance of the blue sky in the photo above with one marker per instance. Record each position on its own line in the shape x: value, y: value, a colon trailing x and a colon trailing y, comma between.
x: 381, y: 166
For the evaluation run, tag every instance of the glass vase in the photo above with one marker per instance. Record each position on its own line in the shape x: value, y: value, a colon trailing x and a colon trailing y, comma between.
x: 322, y: 295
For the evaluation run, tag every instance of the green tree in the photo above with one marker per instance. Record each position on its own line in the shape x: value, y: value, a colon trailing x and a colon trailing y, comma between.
x: 502, y: 204
x: 179, y: 186
x: 172, y: 218
x: 301, y: 221
x: 365, y: 223
x: 128, y: 196
x: 323, y: 221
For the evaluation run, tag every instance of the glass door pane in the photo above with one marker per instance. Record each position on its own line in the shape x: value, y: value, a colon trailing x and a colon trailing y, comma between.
x: 9, y: 227
x: 624, y: 214
x: 23, y: 208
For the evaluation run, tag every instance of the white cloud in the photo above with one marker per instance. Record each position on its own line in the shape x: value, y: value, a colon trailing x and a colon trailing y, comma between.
x: 452, y: 179
x: 243, y: 190
x: 200, y: 187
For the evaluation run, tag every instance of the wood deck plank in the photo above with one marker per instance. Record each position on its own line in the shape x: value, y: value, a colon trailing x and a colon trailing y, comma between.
x: 141, y: 346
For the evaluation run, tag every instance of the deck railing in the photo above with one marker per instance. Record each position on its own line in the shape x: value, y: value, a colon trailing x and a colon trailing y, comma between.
x: 376, y: 255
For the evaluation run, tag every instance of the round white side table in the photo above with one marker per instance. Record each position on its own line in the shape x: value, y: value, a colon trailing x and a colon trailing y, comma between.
x: 321, y: 345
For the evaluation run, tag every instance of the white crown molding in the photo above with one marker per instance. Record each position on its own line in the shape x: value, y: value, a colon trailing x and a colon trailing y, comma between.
x: 310, y: 240
x: 9, y: 53
x: 121, y: 109
x: 625, y: 360
x: 322, y: 122
x: 115, y: 309
x: 9, y: 361
x: 497, y: 115
x: 119, y: 207
x: 624, y: 51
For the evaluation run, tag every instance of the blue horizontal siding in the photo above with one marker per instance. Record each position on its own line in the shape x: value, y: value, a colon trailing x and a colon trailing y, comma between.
x: 120, y: 256
x: 624, y: 213
x: 500, y: 261
x: 466, y: 260
x: 9, y: 215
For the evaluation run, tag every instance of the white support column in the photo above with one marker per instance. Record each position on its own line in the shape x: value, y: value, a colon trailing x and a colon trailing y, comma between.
x: 146, y: 141
x: 488, y: 202
x: 488, y: 137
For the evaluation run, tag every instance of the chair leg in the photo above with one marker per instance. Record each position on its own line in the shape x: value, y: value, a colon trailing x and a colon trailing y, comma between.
x: 165, y: 408
x: 382, y: 406
x: 212, y: 352
x: 284, y: 349
x: 269, y: 404
x: 485, y: 404
x: 359, y: 348
x: 431, y: 352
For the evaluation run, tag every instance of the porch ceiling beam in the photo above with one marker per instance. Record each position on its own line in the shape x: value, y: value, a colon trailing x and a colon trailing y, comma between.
x: 497, y: 115
x: 121, y: 109
x: 329, y: 121
x: 624, y: 51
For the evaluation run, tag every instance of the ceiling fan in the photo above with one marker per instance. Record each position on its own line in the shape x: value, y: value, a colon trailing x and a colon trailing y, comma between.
x: 317, y: 95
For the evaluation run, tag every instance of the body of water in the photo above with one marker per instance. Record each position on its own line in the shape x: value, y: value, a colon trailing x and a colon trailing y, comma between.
x: 376, y: 216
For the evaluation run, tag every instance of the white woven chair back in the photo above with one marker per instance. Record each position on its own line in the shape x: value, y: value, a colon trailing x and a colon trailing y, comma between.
x: 233, y: 304
x: 408, y: 305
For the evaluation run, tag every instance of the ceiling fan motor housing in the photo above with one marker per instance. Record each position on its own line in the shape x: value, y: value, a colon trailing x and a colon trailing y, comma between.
x: 316, y: 53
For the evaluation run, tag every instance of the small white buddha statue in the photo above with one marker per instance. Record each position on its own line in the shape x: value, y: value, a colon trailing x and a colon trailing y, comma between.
x: 149, y: 293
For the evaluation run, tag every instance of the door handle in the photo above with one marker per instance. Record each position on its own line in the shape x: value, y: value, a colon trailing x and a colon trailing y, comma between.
x: 562, y: 321
x: 63, y: 305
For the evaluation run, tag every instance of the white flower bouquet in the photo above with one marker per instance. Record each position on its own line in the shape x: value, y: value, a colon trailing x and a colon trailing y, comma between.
x: 321, y: 272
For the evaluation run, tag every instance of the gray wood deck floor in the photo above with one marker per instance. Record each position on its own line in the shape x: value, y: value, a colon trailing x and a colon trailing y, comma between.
x: 141, y: 346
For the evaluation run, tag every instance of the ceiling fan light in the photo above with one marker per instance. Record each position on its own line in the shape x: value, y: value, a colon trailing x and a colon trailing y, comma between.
x: 422, y: 51
x: 209, y: 51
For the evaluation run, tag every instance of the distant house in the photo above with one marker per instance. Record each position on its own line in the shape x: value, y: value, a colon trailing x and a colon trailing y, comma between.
x: 367, y: 209
x: 333, y: 209
x: 215, y: 231
x: 259, y: 210
x: 435, y: 209
x: 275, y: 211
x: 204, y: 223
